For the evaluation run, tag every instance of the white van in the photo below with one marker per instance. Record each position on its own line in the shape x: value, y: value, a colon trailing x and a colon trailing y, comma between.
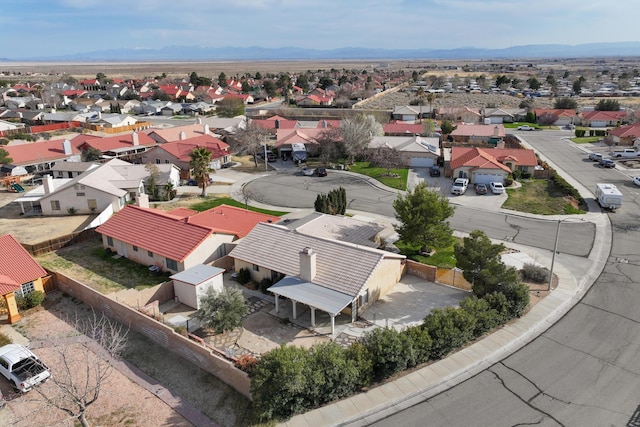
x: 608, y: 196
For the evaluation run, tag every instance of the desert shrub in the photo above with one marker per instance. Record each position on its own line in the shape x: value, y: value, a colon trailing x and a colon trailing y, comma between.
x: 390, y: 351
x: 421, y: 344
x: 35, y: 298
x: 535, y: 273
x: 449, y: 329
x: 246, y: 363
x: 244, y: 276
x: 498, y: 301
x: 486, y: 317
x: 518, y: 296
x: 363, y: 361
x: 508, y: 181
x: 334, y: 374
x: 21, y: 302
x: 580, y: 133
x: 4, y: 340
x: 516, y: 174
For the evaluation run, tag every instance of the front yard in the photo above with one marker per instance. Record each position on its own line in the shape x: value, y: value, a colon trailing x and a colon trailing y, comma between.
x: 543, y: 197
x: 396, y: 178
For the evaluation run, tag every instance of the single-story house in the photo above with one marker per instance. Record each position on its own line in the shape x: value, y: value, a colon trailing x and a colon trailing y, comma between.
x: 286, y: 138
x: 177, y: 240
x: 180, y: 133
x: 600, y: 119
x: 486, y: 165
x: 127, y: 147
x: 477, y: 134
x: 409, y: 113
x: 113, y: 120
x: 415, y: 151
x: 325, y: 274
x: 459, y: 114
x: 400, y: 128
x: 20, y: 274
x: 67, y: 169
x: 191, y: 284
x: 179, y: 153
x: 504, y: 115
x: 562, y: 117
x: 275, y: 123
x: 625, y: 135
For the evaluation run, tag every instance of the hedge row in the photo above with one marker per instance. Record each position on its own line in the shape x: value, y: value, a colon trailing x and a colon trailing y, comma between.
x: 291, y: 380
x: 565, y: 187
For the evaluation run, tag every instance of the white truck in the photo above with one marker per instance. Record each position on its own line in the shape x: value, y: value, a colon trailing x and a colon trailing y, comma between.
x: 459, y: 186
x: 627, y: 152
x: 608, y: 196
x: 22, y: 367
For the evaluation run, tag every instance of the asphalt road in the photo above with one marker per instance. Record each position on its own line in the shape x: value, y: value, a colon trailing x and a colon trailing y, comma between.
x: 584, y: 370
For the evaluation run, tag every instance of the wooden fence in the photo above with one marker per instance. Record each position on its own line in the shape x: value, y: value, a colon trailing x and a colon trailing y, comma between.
x: 51, y: 245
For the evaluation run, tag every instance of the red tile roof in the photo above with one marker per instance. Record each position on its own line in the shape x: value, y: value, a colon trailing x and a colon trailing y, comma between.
x: 610, y: 116
x: 181, y: 212
x: 118, y: 141
x: 43, y: 151
x: 491, y: 158
x: 230, y: 220
x: 155, y: 231
x: 270, y: 123
x: 17, y: 266
x: 182, y: 150
x: 402, y: 127
x: 479, y: 130
x: 173, y: 134
x: 300, y: 136
x: 324, y: 123
x: 560, y: 112
x: 630, y: 131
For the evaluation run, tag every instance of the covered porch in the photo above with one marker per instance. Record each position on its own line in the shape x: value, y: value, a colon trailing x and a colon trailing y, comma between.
x: 314, y: 297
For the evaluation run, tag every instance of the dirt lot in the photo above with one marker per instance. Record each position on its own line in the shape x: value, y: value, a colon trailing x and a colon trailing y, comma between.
x: 34, y: 229
x: 121, y: 402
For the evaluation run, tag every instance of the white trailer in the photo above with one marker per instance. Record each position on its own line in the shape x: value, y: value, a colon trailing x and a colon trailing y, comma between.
x: 608, y: 196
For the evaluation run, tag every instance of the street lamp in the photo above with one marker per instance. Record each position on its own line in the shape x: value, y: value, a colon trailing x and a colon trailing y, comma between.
x: 555, y: 247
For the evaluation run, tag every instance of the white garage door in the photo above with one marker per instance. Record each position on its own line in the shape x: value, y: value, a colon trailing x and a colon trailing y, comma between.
x: 486, y: 178
x: 421, y: 162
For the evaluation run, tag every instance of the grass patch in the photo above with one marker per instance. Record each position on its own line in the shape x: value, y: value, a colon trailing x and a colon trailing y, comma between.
x: 212, y: 203
x: 399, y: 180
x: 442, y: 258
x: 540, y: 196
x: 586, y: 139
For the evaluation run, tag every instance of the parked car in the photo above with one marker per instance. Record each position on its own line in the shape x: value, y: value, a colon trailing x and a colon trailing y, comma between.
x: 636, y: 180
x: 434, y: 170
x: 607, y: 163
x: 192, y: 182
x: 595, y: 157
x: 496, y: 187
x: 227, y: 165
x: 481, y: 188
x: 526, y: 127
x: 321, y: 172
x: 22, y: 367
x: 570, y: 126
x: 308, y: 171
x: 459, y: 186
x: 271, y: 157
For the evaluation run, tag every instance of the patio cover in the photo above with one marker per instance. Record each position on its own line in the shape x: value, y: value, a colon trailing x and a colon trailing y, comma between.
x: 316, y: 296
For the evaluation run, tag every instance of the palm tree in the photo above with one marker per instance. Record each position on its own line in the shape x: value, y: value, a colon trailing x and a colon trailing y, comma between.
x: 200, y: 160
x: 420, y: 96
x: 430, y: 98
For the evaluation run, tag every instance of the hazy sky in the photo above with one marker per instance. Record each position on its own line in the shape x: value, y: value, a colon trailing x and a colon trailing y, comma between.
x: 57, y: 27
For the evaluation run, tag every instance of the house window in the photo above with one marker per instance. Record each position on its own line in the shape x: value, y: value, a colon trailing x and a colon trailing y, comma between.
x: 25, y: 289
x: 92, y: 204
x: 364, y: 298
x: 59, y: 174
x: 150, y: 254
x: 109, y: 240
x: 256, y: 267
x: 167, y: 162
x: 55, y: 205
x: 172, y: 264
x: 157, y: 161
x: 135, y: 249
x: 80, y: 194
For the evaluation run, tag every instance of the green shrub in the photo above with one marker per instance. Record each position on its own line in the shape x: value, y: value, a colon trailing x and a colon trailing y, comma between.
x: 35, y: 298
x: 516, y: 174
x: 508, y: 181
x: 244, y: 276
x: 518, y: 296
x: 535, y: 273
x: 360, y: 356
x: 4, y: 340
x: 334, y: 375
x: 486, y: 317
x: 390, y: 351
x: 22, y: 302
x: 580, y: 133
x: 498, y: 301
x: 449, y: 329
x: 421, y: 344
x: 265, y: 284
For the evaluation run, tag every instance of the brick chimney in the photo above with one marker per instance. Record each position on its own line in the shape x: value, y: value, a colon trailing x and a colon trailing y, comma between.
x: 307, y: 264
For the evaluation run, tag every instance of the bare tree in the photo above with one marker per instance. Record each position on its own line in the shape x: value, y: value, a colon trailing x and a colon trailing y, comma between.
x: 357, y: 134
x: 251, y: 141
x: 386, y: 157
x: 330, y: 141
x: 82, y: 366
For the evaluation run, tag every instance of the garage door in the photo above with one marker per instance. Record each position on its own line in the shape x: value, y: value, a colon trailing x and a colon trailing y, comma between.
x: 421, y: 162
x: 486, y: 178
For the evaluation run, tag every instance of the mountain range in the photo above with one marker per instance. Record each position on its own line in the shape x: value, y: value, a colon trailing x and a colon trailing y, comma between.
x: 199, y: 53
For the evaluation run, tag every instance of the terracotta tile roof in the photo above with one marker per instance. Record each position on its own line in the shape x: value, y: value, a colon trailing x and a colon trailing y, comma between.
x: 182, y: 150
x: 630, y: 131
x: 181, y: 212
x: 43, y: 151
x: 300, y: 136
x: 402, y: 127
x: 155, y: 231
x: 479, y: 130
x: 329, y: 123
x: 17, y: 266
x: 491, y: 158
x: 555, y: 111
x: 230, y: 220
x: 270, y: 123
x: 118, y: 141
x: 604, y: 115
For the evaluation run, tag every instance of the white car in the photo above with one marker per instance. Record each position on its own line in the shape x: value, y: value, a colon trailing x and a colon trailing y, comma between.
x: 636, y: 180
x: 308, y: 171
x: 526, y: 127
x: 496, y: 188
